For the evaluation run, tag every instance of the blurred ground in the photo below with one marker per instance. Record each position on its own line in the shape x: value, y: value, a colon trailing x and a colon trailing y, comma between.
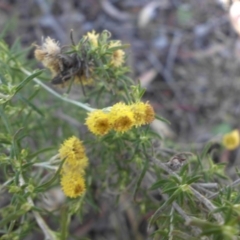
x: 184, y: 52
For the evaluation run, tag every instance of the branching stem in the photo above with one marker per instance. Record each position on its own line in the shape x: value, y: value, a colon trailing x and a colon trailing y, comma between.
x: 41, y: 223
x: 208, y: 204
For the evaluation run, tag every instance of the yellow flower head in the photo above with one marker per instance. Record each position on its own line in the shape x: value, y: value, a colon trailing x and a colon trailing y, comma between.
x: 117, y: 58
x: 74, y: 152
x: 73, y: 185
x: 122, y: 117
x: 149, y: 113
x: 98, y: 122
x: 231, y: 140
x: 48, y: 54
x: 93, y: 38
x: 78, y: 166
x: 143, y: 113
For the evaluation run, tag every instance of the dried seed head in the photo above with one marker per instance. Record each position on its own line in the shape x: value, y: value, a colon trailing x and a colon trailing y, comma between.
x: 117, y: 58
x: 39, y: 54
x: 51, y: 46
x: 48, y: 54
x: 178, y: 160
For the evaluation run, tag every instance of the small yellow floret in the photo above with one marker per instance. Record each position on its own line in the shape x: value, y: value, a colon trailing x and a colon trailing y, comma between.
x: 98, y: 122
x: 93, y: 38
x: 149, y: 113
x: 139, y: 113
x: 77, y: 166
x: 73, y: 151
x: 73, y: 185
x: 117, y: 58
x: 231, y: 140
x: 122, y: 117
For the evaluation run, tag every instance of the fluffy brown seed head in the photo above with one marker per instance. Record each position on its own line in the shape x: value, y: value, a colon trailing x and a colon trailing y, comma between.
x: 49, y: 55
x: 39, y: 54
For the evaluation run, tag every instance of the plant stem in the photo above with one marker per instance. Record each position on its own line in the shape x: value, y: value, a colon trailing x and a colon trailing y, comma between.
x: 45, y: 166
x: 41, y: 223
x: 233, y: 184
x: 39, y: 82
x: 197, y: 231
x: 198, y: 195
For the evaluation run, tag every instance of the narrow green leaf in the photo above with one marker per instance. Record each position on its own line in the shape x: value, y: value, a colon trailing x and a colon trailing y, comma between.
x: 27, y: 79
x: 11, y: 217
x: 166, y: 203
x: 160, y: 233
x: 33, y: 94
x: 140, y: 179
x: 170, y: 189
x: 183, y: 235
x: 154, y: 134
x: 193, y: 179
x: 10, y: 24
x: 39, y: 152
x: 44, y: 186
x: 205, y: 150
x: 158, y: 184
x: 5, y: 120
x: 162, y: 119
x: 16, y: 45
x: 17, y: 135
x: 229, y: 215
x: 237, y: 200
x: 203, y: 223
x: 36, y: 109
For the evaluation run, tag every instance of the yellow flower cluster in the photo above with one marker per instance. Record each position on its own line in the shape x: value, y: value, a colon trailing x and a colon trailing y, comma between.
x: 120, y: 118
x: 231, y: 140
x: 117, y: 58
x: 93, y: 38
x: 73, y: 170
x: 98, y: 122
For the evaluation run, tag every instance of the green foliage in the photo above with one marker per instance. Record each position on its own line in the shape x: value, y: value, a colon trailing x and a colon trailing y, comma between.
x: 197, y: 200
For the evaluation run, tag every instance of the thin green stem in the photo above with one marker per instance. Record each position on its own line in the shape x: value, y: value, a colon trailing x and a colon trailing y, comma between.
x: 39, y: 82
x: 6, y: 183
x: 198, y: 195
x: 45, y: 166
